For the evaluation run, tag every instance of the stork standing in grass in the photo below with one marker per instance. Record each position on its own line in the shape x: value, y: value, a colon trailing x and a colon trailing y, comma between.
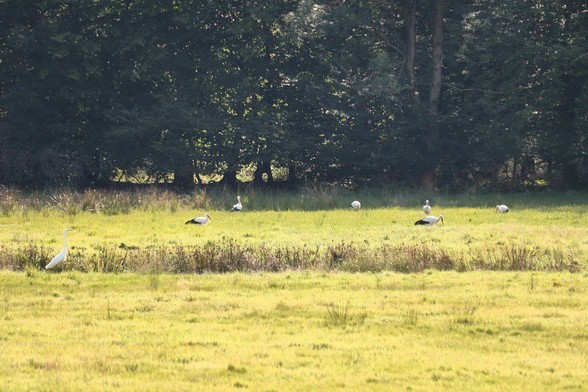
x: 237, y: 207
x: 61, y: 256
x: 429, y: 220
x: 427, y: 208
x: 501, y: 208
x: 356, y: 205
x: 201, y: 220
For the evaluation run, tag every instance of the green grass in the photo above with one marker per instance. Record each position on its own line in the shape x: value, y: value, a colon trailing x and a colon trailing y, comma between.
x: 146, y: 232
x: 293, y: 331
x: 361, y: 326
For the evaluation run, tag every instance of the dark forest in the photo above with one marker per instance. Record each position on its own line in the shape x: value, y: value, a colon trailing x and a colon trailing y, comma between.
x: 432, y: 94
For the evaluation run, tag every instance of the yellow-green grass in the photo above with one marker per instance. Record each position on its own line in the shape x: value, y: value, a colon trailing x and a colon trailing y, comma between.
x: 555, y: 232
x: 478, y: 331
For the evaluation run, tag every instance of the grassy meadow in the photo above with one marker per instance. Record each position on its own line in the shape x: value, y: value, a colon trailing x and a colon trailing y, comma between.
x: 296, y: 331
x: 297, y: 292
x: 279, y: 232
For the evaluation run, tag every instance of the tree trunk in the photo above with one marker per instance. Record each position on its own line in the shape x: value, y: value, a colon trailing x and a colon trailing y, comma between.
x: 292, y: 175
x: 569, y: 139
x: 198, y: 178
x: 435, y: 93
x: 267, y: 169
x: 263, y: 167
x: 409, y: 10
x: 571, y: 176
x: 94, y: 174
x: 184, y: 178
x: 230, y: 178
x: 429, y: 177
x: 258, y: 175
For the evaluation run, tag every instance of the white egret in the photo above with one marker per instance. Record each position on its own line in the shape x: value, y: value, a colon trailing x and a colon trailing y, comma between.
x: 61, y: 256
x: 201, y: 220
x: 356, y: 205
x: 237, y: 207
x: 427, y: 208
x: 430, y: 220
x: 501, y: 208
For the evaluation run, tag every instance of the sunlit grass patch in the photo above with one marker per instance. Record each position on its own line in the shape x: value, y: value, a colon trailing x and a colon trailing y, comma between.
x: 292, y: 331
x: 145, y: 231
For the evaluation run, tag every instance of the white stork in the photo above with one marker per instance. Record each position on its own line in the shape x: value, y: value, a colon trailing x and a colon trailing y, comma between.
x: 201, y: 220
x: 429, y: 220
x: 501, y: 208
x: 356, y: 205
x: 61, y: 256
x: 237, y: 207
x: 427, y: 208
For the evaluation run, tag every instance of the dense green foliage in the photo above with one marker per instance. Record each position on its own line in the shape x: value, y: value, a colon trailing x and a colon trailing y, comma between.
x: 433, y: 93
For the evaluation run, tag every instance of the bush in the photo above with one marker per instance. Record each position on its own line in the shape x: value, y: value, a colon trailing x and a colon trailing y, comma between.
x: 227, y: 255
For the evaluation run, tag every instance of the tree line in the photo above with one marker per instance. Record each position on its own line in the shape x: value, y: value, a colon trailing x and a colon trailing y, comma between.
x: 431, y: 93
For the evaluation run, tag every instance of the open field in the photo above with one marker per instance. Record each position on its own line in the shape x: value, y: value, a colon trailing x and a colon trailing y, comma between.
x: 294, y: 331
x: 146, y: 232
x: 290, y: 311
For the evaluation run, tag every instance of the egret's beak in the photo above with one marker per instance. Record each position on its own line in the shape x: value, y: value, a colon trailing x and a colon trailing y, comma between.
x: 441, y: 220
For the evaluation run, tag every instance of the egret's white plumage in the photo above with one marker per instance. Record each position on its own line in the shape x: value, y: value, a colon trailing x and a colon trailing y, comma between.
x: 61, y: 256
x: 237, y: 207
x: 501, y: 208
x: 427, y: 208
x: 201, y: 220
x: 356, y: 205
x: 429, y: 220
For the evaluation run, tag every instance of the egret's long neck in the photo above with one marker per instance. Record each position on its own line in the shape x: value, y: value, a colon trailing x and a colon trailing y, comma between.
x: 64, y: 239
